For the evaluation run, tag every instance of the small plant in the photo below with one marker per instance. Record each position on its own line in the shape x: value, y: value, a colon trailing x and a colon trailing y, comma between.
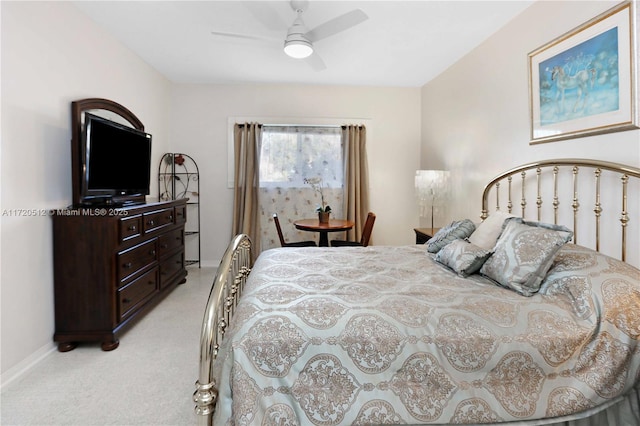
x: 316, y: 185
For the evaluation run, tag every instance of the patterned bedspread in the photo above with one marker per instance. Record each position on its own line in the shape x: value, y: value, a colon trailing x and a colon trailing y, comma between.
x: 383, y: 335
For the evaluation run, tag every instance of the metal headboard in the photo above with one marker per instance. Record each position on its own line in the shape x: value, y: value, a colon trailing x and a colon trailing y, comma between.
x: 520, y: 179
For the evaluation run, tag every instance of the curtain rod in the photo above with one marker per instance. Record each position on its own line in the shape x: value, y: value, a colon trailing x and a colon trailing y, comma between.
x: 330, y: 126
x: 333, y: 126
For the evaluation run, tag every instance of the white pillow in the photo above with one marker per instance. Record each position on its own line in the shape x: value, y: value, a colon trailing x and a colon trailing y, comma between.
x: 487, y: 233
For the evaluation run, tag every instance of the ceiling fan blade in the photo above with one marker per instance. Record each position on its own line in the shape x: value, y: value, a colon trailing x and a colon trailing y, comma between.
x: 316, y: 62
x: 238, y: 35
x: 336, y: 25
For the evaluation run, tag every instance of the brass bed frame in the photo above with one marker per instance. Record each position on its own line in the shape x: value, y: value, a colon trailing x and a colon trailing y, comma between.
x: 575, y: 166
x: 237, y: 261
x: 226, y: 290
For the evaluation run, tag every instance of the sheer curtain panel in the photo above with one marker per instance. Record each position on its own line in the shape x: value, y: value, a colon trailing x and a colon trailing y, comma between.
x: 288, y: 156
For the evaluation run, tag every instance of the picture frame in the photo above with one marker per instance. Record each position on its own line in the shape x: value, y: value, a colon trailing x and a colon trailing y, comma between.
x: 585, y: 82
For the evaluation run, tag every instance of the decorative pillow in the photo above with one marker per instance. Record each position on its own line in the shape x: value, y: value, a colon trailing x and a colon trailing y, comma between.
x: 453, y: 231
x: 487, y: 233
x: 463, y: 257
x: 524, y: 253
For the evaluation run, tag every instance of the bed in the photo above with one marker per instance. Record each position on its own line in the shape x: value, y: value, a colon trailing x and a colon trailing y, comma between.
x: 541, y: 328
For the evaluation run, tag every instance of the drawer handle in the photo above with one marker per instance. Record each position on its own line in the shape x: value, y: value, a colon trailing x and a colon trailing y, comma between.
x: 151, y: 223
x: 151, y: 283
x: 164, y: 245
x: 132, y: 228
x: 126, y: 300
x: 152, y: 252
x: 170, y: 217
x: 127, y: 265
x: 179, y: 214
x: 178, y: 238
x: 178, y: 262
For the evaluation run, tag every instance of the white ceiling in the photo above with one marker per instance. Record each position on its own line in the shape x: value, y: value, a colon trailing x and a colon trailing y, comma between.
x: 403, y: 43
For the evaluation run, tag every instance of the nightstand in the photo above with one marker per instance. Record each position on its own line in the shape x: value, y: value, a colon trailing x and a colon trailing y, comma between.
x: 424, y: 234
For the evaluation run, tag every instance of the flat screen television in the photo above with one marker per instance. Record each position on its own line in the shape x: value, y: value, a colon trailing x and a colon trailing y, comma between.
x: 116, y: 161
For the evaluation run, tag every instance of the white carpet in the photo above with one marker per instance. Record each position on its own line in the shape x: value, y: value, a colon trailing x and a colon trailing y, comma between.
x: 148, y: 380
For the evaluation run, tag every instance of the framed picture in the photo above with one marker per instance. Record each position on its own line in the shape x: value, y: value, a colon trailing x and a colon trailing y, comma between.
x: 585, y: 82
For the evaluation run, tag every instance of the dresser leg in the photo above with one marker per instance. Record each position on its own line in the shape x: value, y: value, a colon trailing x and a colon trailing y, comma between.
x: 66, y: 346
x: 110, y: 345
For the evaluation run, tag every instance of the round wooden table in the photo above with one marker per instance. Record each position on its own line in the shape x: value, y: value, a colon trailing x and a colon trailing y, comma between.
x: 314, y: 225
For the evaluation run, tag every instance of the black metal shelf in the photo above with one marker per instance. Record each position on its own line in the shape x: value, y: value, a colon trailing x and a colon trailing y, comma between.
x: 179, y: 177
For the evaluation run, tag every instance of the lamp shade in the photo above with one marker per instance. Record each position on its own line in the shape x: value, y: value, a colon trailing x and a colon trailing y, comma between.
x: 432, y: 191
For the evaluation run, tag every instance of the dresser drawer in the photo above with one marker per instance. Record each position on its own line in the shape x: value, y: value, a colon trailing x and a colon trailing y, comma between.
x: 171, y: 266
x: 137, y: 292
x: 130, y: 227
x: 136, y: 258
x: 157, y: 219
x: 170, y: 241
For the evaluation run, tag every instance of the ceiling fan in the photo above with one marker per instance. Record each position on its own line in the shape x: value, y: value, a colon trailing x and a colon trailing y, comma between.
x: 299, y: 40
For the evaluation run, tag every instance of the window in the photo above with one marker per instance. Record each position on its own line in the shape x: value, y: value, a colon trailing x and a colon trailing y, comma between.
x: 293, y: 153
x: 290, y: 154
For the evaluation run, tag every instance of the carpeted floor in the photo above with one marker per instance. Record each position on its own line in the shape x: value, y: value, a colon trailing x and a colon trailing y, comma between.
x: 148, y: 380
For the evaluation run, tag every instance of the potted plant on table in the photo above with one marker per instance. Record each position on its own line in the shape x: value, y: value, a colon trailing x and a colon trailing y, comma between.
x: 322, y: 209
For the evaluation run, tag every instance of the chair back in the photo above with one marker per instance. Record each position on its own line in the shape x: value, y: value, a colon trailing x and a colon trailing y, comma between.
x: 277, y: 222
x: 368, y: 227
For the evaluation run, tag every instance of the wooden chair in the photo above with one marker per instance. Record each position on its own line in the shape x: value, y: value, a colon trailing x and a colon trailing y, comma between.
x: 366, y: 234
x: 283, y: 243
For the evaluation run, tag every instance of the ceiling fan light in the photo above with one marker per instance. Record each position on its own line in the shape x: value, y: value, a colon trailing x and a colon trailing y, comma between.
x: 298, y: 49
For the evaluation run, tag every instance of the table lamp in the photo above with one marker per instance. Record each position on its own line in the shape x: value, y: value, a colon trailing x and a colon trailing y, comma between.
x: 432, y: 191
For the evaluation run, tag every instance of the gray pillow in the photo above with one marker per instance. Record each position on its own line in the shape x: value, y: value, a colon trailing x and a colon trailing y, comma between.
x: 460, y: 229
x: 524, y: 253
x: 463, y: 257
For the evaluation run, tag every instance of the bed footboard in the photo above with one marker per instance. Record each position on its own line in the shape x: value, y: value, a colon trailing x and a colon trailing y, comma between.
x: 226, y: 289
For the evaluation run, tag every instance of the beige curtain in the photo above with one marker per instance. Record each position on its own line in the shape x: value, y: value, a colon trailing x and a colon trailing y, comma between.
x: 247, y: 138
x: 356, y: 178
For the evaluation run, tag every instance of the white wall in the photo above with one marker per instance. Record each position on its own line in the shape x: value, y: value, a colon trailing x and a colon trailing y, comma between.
x: 199, y: 116
x: 475, y: 116
x: 51, y: 55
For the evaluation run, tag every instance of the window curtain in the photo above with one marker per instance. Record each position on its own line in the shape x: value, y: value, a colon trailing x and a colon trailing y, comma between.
x: 356, y: 178
x: 247, y: 138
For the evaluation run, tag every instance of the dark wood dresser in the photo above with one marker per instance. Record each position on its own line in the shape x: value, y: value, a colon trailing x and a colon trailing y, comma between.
x: 111, y: 265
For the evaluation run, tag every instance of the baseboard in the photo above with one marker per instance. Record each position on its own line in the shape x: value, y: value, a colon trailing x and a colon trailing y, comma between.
x: 25, y: 365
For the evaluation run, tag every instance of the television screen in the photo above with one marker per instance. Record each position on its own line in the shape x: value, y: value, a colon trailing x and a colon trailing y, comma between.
x: 117, y: 159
